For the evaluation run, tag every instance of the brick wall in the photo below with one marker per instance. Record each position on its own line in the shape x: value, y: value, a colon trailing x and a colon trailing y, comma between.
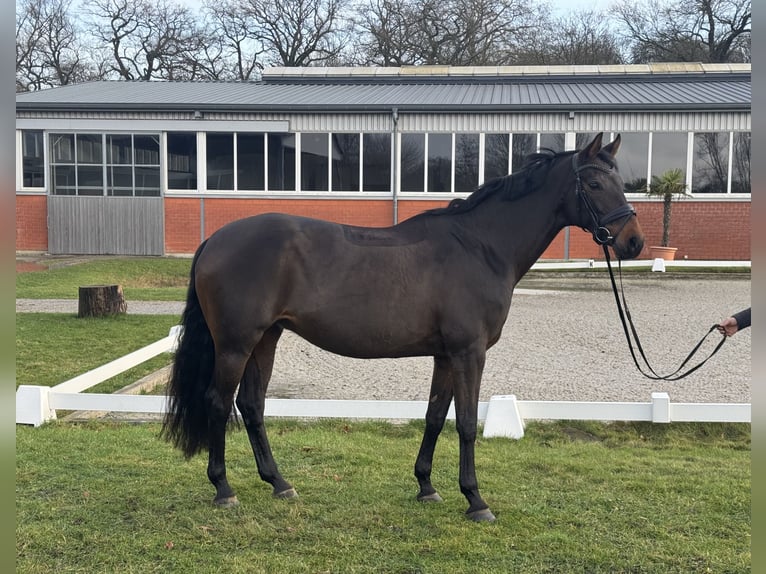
x: 368, y: 213
x: 716, y: 230
x: 31, y: 223
x: 700, y: 229
x: 182, y: 225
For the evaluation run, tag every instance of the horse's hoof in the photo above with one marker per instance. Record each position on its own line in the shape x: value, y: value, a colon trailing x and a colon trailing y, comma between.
x: 228, y: 502
x: 484, y: 515
x: 434, y: 497
x: 289, y: 493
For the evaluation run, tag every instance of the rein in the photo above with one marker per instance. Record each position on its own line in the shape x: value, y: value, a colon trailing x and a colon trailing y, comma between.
x: 604, y: 237
x: 675, y: 375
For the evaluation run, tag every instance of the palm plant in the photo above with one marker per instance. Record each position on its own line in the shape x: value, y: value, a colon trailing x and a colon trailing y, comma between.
x: 669, y: 185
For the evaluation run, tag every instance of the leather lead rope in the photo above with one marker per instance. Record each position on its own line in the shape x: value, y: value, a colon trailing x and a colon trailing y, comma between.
x: 675, y: 375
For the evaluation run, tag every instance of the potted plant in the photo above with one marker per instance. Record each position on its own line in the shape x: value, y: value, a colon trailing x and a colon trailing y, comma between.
x: 670, y: 185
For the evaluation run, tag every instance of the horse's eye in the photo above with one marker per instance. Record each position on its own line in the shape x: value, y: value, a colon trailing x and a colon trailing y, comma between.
x: 594, y: 184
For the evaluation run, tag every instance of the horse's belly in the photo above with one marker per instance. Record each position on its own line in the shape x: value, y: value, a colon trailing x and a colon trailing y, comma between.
x: 363, y: 342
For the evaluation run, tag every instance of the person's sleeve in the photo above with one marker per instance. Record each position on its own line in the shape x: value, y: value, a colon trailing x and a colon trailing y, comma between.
x: 742, y: 318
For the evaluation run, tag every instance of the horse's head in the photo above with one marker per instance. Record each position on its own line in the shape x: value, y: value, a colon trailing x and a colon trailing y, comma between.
x: 602, y: 207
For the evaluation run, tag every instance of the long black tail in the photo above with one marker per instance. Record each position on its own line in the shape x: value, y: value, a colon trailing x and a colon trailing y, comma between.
x: 186, y: 420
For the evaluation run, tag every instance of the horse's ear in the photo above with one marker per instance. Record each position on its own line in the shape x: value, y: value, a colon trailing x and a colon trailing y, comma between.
x: 612, y: 147
x: 592, y: 149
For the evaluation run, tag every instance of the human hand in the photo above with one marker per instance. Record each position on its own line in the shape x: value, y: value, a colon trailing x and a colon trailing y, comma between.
x: 728, y: 326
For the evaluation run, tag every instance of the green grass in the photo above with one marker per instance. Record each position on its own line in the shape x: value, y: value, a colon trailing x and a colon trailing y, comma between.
x: 111, y: 497
x: 166, y: 278
x: 51, y: 348
x: 142, y: 278
x: 619, y: 498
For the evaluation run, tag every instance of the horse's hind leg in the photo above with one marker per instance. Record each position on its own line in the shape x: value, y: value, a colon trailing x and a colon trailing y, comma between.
x: 251, y: 401
x: 220, y: 397
x: 438, y: 406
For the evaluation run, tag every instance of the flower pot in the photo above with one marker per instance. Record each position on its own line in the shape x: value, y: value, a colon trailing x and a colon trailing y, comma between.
x: 664, y: 253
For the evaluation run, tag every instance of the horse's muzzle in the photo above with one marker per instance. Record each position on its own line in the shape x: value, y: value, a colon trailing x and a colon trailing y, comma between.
x: 629, y: 241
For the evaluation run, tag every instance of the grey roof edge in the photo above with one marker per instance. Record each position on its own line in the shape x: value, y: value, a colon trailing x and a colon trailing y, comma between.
x: 381, y: 108
x: 498, y: 72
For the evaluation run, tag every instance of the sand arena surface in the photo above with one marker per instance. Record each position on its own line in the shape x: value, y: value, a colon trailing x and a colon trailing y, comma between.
x: 563, y: 341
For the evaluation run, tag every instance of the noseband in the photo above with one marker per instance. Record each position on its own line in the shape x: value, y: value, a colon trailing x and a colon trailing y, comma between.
x: 601, y: 233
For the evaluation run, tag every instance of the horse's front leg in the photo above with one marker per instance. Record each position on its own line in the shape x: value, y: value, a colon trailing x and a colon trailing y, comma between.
x: 438, y: 406
x: 467, y: 369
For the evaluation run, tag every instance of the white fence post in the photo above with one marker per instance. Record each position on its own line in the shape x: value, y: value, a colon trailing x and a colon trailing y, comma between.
x: 175, y: 334
x: 33, y: 406
x: 660, y: 408
x: 503, y: 418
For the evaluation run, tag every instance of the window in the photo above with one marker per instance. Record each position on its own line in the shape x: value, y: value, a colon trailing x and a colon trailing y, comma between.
x: 220, y: 161
x: 63, y: 175
x: 105, y: 164
x: 440, y: 163
x: 582, y: 139
x: 182, y: 160
x: 376, y: 162
x: 740, y: 176
x: 77, y: 164
x: 521, y: 146
x: 633, y: 160
x: 413, y: 162
x: 553, y: 142
x: 466, y: 162
x: 314, y: 162
x: 146, y: 156
x: 119, y: 164
x: 710, y: 163
x: 345, y: 162
x: 32, y: 157
x: 281, y: 163
x: 132, y: 165
x: 668, y: 152
x: 496, y: 156
x: 90, y: 171
x: 251, y: 161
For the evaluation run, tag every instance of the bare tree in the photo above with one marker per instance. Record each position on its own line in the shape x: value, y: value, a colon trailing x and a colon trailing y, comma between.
x: 297, y: 32
x: 231, y: 33
x: 686, y: 30
x: 147, y: 40
x: 448, y: 32
x: 582, y: 37
x: 48, y: 48
x: 387, y: 29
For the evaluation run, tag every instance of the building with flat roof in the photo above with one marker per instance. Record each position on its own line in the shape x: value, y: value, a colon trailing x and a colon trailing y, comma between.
x: 153, y: 168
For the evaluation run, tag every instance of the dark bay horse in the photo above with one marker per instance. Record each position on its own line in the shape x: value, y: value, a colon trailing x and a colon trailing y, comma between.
x: 439, y: 284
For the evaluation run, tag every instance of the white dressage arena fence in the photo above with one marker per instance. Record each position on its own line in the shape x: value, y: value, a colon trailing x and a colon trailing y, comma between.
x: 503, y: 415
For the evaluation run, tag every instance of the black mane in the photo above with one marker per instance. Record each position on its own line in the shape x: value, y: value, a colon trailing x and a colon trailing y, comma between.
x: 512, y: 186
x: 515, y: 185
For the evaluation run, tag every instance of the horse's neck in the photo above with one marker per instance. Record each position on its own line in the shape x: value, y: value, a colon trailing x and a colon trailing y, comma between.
x: 519, y: 230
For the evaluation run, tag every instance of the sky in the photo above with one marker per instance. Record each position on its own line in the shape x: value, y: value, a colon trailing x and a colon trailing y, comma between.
x: 566, y: 6
x: 560, y: 6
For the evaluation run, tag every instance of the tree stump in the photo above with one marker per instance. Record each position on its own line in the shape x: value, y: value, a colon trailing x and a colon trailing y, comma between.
x: 101, y: 301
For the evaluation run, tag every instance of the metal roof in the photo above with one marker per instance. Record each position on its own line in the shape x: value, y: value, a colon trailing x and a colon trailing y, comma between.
x: 443, y: 89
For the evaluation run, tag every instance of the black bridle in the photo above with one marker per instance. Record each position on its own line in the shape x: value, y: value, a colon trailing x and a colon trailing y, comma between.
x: 604, y: 237
x: 600, y: 231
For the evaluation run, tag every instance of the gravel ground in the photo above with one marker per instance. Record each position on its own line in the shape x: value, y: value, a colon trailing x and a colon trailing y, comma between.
x: 563, y: 341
